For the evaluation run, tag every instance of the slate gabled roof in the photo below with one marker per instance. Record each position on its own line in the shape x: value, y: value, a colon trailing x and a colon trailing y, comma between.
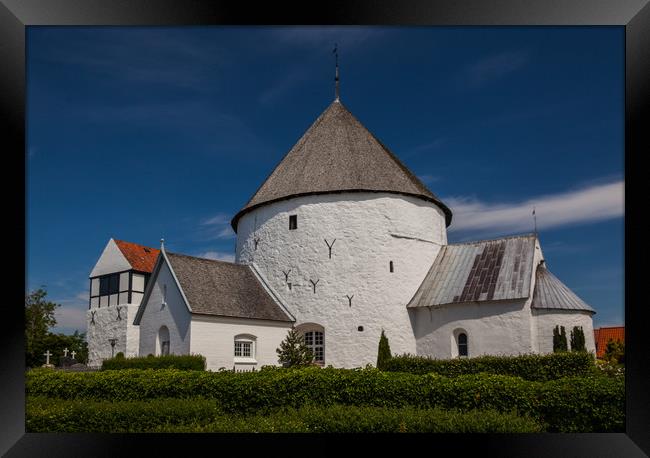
x: 224, y: 289
x: 141, y: 258
x: 551, y: 293
x: 486, y: 270
x: 336, y: 154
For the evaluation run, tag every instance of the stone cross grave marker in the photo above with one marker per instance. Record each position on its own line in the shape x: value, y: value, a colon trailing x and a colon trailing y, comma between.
x: 73, y: 353
x: 47, y: 355
x: 65, y: 352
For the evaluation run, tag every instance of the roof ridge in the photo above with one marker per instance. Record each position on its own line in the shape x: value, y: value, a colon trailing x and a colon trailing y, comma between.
x: 134, y: 243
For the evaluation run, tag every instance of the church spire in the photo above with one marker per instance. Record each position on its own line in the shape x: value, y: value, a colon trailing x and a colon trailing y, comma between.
x: 336, y: 80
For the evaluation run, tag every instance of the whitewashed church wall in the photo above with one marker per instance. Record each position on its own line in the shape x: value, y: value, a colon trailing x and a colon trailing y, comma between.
x: 496, y: 328
x: 371, y: 229
x: 111, y: 260
x: 546, y: 320
x: 138, y: 282
x: 214, y: 337
x: 174, y: 315
x: 108, y: 326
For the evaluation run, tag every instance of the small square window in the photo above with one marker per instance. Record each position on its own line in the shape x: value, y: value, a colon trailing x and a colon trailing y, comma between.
x: 293, y: 222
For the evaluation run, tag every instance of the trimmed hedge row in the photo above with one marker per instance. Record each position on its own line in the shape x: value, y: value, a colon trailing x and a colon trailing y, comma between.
x: 203, y: 415
x: 572, y: 404
x: 529, y: 367
x: 182, y: 362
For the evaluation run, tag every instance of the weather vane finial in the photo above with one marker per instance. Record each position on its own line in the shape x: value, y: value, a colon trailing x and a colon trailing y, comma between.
x: 535, y: 220
x: 336, y: 53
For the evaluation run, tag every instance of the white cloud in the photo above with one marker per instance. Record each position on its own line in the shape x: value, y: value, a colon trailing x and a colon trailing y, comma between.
x: 218, y: 256
x: 495, y: 66
x: 585, y: 205
x: 428, y: 179
x: 218, y: 227
x: 71, y: 317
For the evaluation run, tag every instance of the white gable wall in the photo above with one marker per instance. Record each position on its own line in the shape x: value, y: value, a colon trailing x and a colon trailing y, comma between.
x: 174, y: 315
x: 214, y: 337
x: 112, y: 260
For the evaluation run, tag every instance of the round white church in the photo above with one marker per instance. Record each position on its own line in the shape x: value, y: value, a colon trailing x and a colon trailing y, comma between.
x: 341, y: 242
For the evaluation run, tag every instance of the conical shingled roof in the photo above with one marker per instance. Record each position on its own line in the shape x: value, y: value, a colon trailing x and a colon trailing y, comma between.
x: 337, y: 154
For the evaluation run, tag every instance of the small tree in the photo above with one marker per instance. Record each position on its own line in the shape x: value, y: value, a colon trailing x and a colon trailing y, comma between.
x: 383, y: 354
x: 559, y: 339
x: 615, y: 351
x: 39, y: 318
x: 293, y: 352
x: 578, y: 339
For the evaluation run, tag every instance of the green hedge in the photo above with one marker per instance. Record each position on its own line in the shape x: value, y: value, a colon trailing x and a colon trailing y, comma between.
x: 528, y: 367
x: 203, y: 415
x: 183, y: 362
x: 572, y: 404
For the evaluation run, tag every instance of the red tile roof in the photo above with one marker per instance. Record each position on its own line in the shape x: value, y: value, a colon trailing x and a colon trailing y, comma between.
x: 602, y: 336
x: 141, y: 258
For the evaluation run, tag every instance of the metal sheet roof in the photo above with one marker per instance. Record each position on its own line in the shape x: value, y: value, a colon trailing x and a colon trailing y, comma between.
x: 487, y: 270
x: 551, y: 293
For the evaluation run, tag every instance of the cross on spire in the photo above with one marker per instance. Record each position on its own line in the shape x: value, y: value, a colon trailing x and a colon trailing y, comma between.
x: 336, y: 53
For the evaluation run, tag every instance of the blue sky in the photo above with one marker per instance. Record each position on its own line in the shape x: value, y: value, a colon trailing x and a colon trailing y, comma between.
x: 148, y: 132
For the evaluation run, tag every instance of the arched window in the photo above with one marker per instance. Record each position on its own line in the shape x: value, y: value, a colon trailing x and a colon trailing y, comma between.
x: 162, y: 347
x: 314, y: 336
x: 245, y: 346
x: 462, y: 344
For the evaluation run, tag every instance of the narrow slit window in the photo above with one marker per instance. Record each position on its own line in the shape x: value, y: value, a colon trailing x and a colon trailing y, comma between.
x: 390, y: 266
x: 293, y: 222
x: 462, y: 345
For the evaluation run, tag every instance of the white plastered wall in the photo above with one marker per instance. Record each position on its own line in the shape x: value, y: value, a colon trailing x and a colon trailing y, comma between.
x: 214, y: 337
x: 546, y: 320
x: 371, y: 229
x: 174, y: 315
x: 108, y: 326
x: 492, y: 328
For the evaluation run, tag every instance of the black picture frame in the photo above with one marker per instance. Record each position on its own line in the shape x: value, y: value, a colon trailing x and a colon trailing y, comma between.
x: 633, y: 15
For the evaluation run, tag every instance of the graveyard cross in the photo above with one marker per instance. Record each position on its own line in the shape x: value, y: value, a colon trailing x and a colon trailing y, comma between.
x: 73, y: 353
x: 65, y: 352
x: 47, y: 355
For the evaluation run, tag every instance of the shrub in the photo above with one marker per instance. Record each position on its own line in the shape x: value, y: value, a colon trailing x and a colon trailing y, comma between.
x: 587, y: 404
x: 203, y: 415
x: 183, y: 362
x: 615, y: 351
x: 577, y: 339
x: 383, y: 353
x: 293, y: 352
x: 559, y: 339
x: 119, y: 355
x: 529, y: 367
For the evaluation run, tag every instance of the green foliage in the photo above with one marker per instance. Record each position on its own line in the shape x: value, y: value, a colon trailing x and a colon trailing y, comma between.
x: 383, y: 354
x: 119, y: 355
x: 570, y: 404
x: 559, y: 339
x: 529, y: 367
x: 182, y: 362
x: 578, y: 339
x: 204, y: 415
x: 615, y: 351
x: 293, y: 352
x: 39, y: 318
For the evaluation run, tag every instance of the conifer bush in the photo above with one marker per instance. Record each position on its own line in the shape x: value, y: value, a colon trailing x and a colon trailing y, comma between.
x: 293, y: 352
x: 383, y: 353
x: 578, y: 339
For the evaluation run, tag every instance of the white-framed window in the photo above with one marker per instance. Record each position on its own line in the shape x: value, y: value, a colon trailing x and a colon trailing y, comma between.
x: 460, y: 343
x: 314, y: 336
x: 245, y: 347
